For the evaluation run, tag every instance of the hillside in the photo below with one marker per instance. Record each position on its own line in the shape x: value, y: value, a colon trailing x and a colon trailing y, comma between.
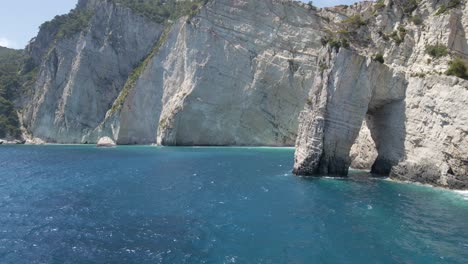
x: 10, y: 65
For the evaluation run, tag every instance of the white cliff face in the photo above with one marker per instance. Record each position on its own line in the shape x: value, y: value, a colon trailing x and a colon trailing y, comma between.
x: 80, y: 76
x: 240, y: 73
x: 105, y: 142
x: 431, y: 157
x: 436, y: 141
x: 421, y: 136
x: 236, y: 74
x: 247, y: 78
x: 436, y: 132
x: 351, y: 87
x: 364, y: 152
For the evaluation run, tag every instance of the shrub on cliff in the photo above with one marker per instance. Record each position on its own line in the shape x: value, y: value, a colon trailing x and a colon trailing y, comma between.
x: 335, y: 43
x: 398, y: 35
x: 444, y: 8
x: 379, y: 58
x: 10, y: 82
x: 9, y: 124
x: 410, y: 5
x: 159, y: 11
x: 457, y: 67
x: 355, y: 21
x: 417, y: 20
x: 437, y: 50
x: 379, y: 4
x: 68, y: 24
x: 162, y: 10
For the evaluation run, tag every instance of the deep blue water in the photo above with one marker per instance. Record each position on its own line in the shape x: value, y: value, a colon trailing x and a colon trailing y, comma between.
x: 81, y: 204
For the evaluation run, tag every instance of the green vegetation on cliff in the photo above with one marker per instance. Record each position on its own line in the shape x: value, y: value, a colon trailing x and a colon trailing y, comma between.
x: 457, y: 67
x: 354, y: 22
x: 379, y: 57
x: 159, y: 11
x: 10, y: 63
x: 69, y: 24
x: 133, y: 77
x: 444, y: 8
x: 410, y: 5
x: 398, y: 35
x: 379, y: 4
x: 162, y: 10
x: 437, y: 50
x: 17, y: 74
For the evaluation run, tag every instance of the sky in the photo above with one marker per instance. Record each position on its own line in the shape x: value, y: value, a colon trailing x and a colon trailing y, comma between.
x: 20, y: 19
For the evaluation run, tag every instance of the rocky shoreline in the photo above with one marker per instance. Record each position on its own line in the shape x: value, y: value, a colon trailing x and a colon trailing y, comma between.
x: 12, y: 142
x: 419, y: 178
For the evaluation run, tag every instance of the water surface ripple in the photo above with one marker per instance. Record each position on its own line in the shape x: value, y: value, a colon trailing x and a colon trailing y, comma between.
x: 81, y: 204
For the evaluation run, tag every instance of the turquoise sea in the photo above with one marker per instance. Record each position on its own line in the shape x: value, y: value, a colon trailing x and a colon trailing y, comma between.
x: 81, y: 204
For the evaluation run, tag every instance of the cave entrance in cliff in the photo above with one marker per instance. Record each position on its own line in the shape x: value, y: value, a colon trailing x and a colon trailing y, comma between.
x: 380, y: 144
x: 364, y: 151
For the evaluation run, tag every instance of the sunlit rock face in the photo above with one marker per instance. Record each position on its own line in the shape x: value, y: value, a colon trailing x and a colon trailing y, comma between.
x: 80, y: 76
x: 418, y: 137
x: 413, y: 130
x: 237, y: 74
x: 350, y: 88
x: 436, y: 141
x: 240, y: 73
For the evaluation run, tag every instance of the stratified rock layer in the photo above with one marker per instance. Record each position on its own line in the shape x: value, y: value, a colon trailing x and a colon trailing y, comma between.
x: 436, y: 143
x: 240, y: 73
x: 237, y: 74
x: 423, y: 136
x: 351, y: 87
x: 80, y: 76
x: 415, y: 125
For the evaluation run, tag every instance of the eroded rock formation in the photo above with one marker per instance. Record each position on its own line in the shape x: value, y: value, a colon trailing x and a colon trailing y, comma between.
x: 81, y: 75
x: 421, y: 136
x: 349, y: 88
x: 240, y: 73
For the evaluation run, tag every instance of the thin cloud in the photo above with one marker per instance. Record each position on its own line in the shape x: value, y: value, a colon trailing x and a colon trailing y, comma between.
x: 4, y: 42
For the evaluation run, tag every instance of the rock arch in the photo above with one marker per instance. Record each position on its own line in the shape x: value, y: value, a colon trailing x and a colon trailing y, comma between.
x: 349, y: 89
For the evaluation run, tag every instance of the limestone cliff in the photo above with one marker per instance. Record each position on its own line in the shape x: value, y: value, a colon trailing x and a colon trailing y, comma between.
x: 419, y: 133
x: 235, y: 74
x: 81, y: 74
x: 349, y: 87
x: 241, y: 72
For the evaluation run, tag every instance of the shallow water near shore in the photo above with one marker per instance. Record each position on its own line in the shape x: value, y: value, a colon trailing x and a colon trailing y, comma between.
x: 81, y: 204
